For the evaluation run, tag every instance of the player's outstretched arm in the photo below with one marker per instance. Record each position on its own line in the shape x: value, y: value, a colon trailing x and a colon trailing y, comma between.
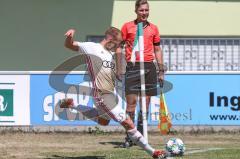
x: 69, y: 42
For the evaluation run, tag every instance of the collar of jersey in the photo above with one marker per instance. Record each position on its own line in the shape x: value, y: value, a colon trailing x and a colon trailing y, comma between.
x: 110, y: 52
x: 147, y: 23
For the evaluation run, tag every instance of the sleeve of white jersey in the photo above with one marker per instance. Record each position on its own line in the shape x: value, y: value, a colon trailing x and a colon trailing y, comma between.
x: 83, y: 47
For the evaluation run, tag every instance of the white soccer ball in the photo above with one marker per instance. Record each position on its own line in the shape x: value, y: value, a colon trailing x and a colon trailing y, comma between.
x: 175, y: 146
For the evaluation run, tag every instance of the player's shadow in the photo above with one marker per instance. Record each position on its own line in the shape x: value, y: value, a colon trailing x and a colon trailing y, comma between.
x: 80, y: 157
x: 116, y: 144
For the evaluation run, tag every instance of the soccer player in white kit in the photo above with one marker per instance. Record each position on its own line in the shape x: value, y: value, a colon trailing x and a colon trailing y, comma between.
x: 101, y: 67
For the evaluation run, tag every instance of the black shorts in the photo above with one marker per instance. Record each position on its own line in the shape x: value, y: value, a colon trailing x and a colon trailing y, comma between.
x: 133, y: 79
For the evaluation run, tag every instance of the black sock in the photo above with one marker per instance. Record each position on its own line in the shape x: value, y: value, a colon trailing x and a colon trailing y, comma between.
x: 140, y: 122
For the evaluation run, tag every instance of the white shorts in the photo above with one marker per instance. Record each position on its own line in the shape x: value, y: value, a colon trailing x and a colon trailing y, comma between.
x: 109, y: 107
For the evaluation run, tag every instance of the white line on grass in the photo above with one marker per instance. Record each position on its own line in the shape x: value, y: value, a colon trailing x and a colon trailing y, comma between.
x: 202, y: 150
x: 198, y: 151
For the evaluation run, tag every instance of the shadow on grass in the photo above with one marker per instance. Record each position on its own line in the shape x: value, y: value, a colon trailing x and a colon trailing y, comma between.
x: 116, y: 144
x: 80, y: 157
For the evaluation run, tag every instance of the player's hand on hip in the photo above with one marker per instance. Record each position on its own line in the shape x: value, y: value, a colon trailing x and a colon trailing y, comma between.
x: 70, y: 33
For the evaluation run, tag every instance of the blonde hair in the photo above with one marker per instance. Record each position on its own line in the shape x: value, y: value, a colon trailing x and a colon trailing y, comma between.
x: 138, y: 3
x: 115, y: 33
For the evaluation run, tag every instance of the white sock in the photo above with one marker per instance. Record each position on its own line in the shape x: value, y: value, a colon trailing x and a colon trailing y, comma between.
x: 138, y: 139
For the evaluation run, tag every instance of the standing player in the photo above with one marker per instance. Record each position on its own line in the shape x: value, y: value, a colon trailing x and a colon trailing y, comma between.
x: 101, y: 72
x: 152, y: 51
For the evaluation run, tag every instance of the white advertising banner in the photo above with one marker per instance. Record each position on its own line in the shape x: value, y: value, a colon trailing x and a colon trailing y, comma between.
x: 14, y: 100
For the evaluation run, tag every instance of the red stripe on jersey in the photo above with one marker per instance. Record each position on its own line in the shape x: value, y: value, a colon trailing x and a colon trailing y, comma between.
x: 96, y: 97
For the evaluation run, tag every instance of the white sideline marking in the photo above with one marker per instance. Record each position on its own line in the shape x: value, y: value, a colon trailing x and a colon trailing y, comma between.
x: 202, y: 150
x: 197, y: 151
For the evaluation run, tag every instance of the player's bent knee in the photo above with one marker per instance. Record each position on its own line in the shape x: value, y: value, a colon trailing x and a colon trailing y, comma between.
x: 131, y: 104
x: 131, y: 100
x: 127, y: 124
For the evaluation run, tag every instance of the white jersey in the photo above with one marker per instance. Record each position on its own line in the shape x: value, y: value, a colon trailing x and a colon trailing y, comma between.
x: 101, y: 65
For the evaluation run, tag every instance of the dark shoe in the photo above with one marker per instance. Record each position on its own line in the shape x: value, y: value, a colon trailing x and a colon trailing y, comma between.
x: 128, y: 143
x: 66, y: 103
